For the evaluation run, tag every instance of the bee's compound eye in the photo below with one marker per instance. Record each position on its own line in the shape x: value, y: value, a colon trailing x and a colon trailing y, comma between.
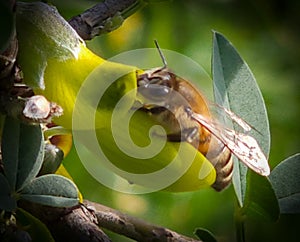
x: 188, y: 110
x: 154, y: 92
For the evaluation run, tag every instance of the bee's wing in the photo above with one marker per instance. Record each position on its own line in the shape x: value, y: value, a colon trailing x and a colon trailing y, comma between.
x: 243, y: 146
x: 233, y: 117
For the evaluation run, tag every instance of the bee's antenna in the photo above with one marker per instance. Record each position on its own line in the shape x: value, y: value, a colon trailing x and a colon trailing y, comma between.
x: 161, y: 54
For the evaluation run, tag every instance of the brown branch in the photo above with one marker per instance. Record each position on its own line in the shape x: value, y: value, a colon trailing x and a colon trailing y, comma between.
x: 74, y: 224
x: 8, y: 56
x: 104, y: 17
x: 83, y: 222
x: 132, y: 227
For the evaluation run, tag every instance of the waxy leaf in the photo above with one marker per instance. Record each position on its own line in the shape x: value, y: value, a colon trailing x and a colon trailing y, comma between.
x: 10, y: 149
x: 286, y: 183
x: 235, y: 88
x: 52, y: 190
x: 7, y: 202
x: 260, y: 198
x: 22, y: 151
x: 37, y: 230
x: 205, y: 235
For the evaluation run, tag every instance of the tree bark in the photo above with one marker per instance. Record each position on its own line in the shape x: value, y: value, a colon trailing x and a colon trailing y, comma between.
x: 104, y: 17
x: 84, y: 223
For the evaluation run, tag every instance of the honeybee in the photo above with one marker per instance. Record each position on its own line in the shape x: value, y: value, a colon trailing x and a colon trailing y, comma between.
x: 183, y: 111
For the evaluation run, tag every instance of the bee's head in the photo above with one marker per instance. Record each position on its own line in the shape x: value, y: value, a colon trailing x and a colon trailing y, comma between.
x: 155, y: 85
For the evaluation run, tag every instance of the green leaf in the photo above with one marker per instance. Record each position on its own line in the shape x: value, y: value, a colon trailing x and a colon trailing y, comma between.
x: 31, y: 153
x: 43, y: 34
x: 37, y: 230
x: 22, y: 151
x: 7, y: 202
x: 260, y: 199
x: 235, y: 88
x: 205, y: 235
x: 286, y: 183
x: 10, y: 149
x: 52, y: 190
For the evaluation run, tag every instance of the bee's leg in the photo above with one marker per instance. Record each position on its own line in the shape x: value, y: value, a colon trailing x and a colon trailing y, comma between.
x: 189, y: 135
x: 175, y: 137
x: 154, y: 110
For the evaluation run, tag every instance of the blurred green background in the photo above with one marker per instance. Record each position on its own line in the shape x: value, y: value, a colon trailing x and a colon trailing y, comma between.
x: 266, y: 34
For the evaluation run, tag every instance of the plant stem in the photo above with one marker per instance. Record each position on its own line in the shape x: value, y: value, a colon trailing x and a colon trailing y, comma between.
x: 240, y: 230
x: 239, y: 224
x: 132, y: 227
x: 104, y: 17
